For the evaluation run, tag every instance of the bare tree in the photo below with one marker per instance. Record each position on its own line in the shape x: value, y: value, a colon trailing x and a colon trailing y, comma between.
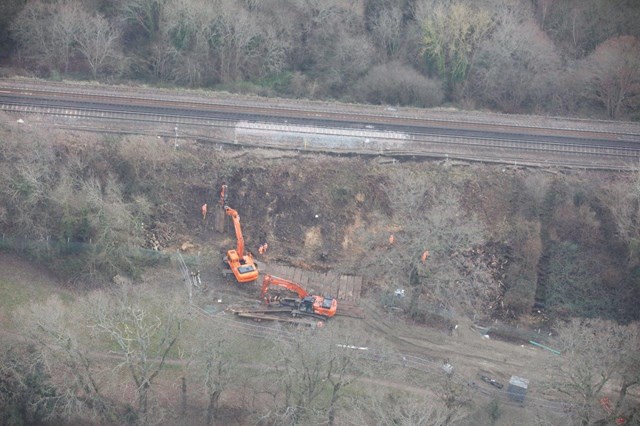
x: 62, y: 349
x: 387, y: 30
x: 614, y: 75
x: 27, y: 394
x: 628, y: 370
x: 142, y: 14
x: 26, y: 174
x: 311, y: 364
x: 515, y: 66
x: 9, y: 9
x: 110, y: 225
x: 301, y: 375
x: 46, y: 33
x: 330, y: 40
x: 186, y: 33
x: 98, y: 42
x: 214, y: 364
x: 455, y: 396
x: 578, y: 26
x: 142, y: 337
x: 594, y: 354
x: 393, y: 409
x: 543, y: 8
x: 427, y: 217
x: 625, y: 195
x: 232, y: 43
x: 345, y: 366
x: 221, y: 44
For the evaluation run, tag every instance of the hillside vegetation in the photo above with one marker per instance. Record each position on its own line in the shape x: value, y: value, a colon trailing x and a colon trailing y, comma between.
x: 500, y: 238
x: 575, y: 57
x: 116, y: 341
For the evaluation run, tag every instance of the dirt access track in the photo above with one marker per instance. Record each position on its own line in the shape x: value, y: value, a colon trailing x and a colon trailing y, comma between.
x: 421, y: 347
x: 416, y: 346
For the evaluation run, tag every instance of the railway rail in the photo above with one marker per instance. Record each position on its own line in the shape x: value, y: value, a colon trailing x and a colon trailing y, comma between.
x: 348, y: 130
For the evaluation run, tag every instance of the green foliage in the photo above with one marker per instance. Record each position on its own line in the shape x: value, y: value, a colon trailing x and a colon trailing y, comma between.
x: 279, y: 82
x: 341, y: 195
x: 520, y: 293
x: 181, y: 36
x: 494, y: 410
x: 21, y: 187
x: 450, y: 37
x: 55, y: 75
x: 574, y: 284
x: 434, y: 55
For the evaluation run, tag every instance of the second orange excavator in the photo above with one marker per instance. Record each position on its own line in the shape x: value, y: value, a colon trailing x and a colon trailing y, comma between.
x: 306, y: 304
x: 242, y: 264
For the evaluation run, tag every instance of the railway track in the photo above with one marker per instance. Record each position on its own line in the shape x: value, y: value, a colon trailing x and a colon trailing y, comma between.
x: 352, y: 130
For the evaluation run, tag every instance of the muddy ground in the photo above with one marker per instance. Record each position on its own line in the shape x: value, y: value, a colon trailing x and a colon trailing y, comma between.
x: 419, y: 347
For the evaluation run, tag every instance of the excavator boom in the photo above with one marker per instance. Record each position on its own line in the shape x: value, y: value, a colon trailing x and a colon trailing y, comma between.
x: 269, y: 280
x: 236, y: 225
x: 241, y: 264
x: 318, y: 306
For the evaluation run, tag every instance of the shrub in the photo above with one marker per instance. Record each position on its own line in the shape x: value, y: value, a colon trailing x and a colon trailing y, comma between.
x: 398, y: 84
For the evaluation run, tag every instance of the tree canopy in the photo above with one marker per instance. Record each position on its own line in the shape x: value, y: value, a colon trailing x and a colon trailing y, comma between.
x: 507, y: 55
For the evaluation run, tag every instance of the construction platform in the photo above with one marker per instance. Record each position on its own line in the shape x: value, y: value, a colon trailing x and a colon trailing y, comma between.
x: 345, y: 288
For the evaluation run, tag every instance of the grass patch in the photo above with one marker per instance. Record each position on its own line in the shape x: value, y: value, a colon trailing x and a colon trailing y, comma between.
x: 14, y: 295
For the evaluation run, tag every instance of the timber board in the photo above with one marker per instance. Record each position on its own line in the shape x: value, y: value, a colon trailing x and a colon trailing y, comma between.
x: 345, y: 288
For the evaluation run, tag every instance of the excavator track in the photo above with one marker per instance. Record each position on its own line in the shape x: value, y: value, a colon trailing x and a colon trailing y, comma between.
x: 298, y: 313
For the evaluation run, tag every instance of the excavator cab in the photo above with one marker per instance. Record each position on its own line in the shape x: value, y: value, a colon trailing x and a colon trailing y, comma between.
x: 325, y: 306
x: 327, y: 302
x: 246, y: 269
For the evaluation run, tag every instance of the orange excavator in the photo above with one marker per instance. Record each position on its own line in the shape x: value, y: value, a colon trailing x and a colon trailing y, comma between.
x: 241, y: 264
x: 317, y: 306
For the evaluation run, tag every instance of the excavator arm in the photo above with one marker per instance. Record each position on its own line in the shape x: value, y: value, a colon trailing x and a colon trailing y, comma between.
x: 316, y: 306
x: 242, y: 265
x: 236, y: 224
x: 269, y: 280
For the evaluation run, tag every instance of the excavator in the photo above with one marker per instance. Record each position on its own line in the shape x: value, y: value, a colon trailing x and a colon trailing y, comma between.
x: 316, y: 306
x: 241, y: 264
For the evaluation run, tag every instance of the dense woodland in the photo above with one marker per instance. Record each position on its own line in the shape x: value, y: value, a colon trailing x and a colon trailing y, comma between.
x: 558, y: 57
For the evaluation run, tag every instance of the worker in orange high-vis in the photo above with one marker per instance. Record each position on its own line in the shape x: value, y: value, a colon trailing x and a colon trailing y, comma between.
x: 261, y: 249
x: 424, y: 256
x: 392, y: 240
x: 204, y: 211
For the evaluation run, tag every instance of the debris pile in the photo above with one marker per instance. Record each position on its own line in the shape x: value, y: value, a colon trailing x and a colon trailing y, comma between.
x: 489, y: 261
